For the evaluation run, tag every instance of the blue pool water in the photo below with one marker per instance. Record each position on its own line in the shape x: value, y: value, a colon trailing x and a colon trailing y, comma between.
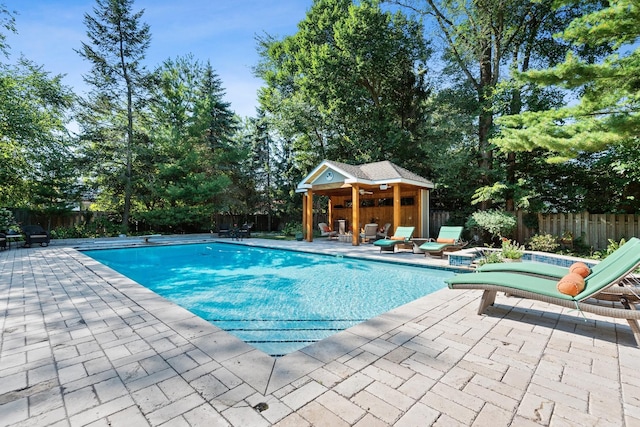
x: 278, y: 301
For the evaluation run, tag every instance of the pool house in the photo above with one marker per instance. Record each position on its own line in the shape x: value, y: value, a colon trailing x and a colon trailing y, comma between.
x: 379, y: 192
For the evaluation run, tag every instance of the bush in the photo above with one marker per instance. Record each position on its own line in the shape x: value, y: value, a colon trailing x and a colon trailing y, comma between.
x: 6, y: 220
x: 490, y: 257
x: 497, y: 223
x: 512, y: 250
x: 292, y: 228
x: 543, y: 243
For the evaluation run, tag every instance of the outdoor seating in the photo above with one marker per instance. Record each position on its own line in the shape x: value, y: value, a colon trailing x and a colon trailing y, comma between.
x: 384, y: 234
x: 369, y: 233
x: 224, y: 230
x: 35, y: 234
x: 245, y: 230
x: 401, y: 237
x: 448, y: 237
x: 612, y: 291
x: 325, y: 231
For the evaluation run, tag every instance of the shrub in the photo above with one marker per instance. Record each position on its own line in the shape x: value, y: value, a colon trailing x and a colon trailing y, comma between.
x: 6, y: 219
x: 490, y: 257
x: 512, y: 250
x: 497, y: 223
x: 292, y: 228
x: 543, y: 243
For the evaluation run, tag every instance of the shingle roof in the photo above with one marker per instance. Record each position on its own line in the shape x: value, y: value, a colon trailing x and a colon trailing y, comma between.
x: 378, y: 171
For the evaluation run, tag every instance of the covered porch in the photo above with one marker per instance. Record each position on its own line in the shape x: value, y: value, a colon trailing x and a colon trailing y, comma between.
x: 379, y: 193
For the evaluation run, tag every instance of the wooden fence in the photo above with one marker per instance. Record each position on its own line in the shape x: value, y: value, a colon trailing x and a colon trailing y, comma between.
x: 594, y: 230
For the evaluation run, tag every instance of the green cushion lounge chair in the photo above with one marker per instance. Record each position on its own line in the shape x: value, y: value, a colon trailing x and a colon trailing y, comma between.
x: 402, y: 236
x: 613, y: 283
x: 554, y: 271
x: 448, y: 237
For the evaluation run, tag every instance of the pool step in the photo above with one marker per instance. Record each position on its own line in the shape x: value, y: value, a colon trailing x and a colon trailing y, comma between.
x: 280, y: 337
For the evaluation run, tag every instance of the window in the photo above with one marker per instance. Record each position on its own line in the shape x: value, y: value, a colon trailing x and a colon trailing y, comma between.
x: 407, y: 201
x: 385, y: 202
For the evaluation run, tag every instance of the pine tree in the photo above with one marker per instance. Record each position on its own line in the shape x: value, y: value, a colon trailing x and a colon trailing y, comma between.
x: 607, y: 112
x: 118, y: 81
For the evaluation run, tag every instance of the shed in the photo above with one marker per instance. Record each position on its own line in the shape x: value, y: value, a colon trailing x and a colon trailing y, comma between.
x: 379, y: 192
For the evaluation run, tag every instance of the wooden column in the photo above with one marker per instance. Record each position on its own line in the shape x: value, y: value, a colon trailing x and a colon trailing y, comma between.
x: 355, y: 215
x: 304, y: 212
x: 309, y: 214
x: 330, y: 214
x: 397, y: 211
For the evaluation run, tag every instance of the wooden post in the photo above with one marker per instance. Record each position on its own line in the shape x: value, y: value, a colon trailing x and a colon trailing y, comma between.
x: 397, y: 211
x: 304, y: 212
x: 309, y: 211
x: 355, y: 216
x: 330, y: 214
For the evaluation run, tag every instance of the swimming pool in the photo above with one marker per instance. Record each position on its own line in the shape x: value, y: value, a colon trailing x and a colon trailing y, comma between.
x: 276, y: 300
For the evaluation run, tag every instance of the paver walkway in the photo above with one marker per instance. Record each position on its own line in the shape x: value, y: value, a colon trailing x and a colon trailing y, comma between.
x: 83, y: 345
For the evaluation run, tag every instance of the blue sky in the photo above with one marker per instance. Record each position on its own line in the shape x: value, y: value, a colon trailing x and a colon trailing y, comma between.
x: 220, y: 31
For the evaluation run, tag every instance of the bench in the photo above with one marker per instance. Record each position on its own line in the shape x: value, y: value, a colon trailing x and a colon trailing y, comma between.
x: 149, y: 236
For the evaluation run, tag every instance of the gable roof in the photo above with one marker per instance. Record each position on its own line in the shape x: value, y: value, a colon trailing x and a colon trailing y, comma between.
x: 376, y: 173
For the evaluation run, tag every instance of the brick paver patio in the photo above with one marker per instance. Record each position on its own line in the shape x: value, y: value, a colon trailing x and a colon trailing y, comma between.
x: 83, y: 345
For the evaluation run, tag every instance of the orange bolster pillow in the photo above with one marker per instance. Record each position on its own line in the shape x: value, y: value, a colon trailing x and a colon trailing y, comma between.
x: 397, y: 238
x: 580, y: 268
x: 442, y: 240
x: 571, y: 284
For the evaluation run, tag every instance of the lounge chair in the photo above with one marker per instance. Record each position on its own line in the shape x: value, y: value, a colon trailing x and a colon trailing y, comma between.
x: 35, y: 234
x: 613, y: 283
x: 448, y: 237
x: 369, y: 233
x: 557, y: 272
x: 325, y: 231
x: 402, y: 236
x: 384, y: 234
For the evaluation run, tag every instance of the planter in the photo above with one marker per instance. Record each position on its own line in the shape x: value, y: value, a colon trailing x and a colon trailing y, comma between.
x: 299, y: 237
x: 511, y: 259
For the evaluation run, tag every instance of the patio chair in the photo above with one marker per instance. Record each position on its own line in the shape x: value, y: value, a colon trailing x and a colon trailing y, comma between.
x: 384, y: 234
x: 325, y: 231
x: 369, y: 233
x: 611, y: 292
x: 224, y: 230
x: 245, y: 230
x: 35, y: 234
x: 401, y: 237
x: 448, y: 237
x: 554, y: 271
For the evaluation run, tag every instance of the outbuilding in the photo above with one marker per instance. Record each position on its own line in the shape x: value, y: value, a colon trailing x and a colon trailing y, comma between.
x: 379, y: 192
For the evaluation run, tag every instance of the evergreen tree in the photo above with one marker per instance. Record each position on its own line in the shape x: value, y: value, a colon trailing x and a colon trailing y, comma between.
x: 607, y: 112
x: 118, y: 41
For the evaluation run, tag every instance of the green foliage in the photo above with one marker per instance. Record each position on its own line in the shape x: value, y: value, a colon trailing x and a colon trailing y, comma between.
x: 544, y: 243
x: 33, y: 115
x: 490, y: 257
x: 6, y: 219
x: 611, y: 248
x: 511, y: 249
x: 607, y: 112
x: 349, y: 86
x: 497, y: 223
x: 292, y: 228
x: 118, y: 42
